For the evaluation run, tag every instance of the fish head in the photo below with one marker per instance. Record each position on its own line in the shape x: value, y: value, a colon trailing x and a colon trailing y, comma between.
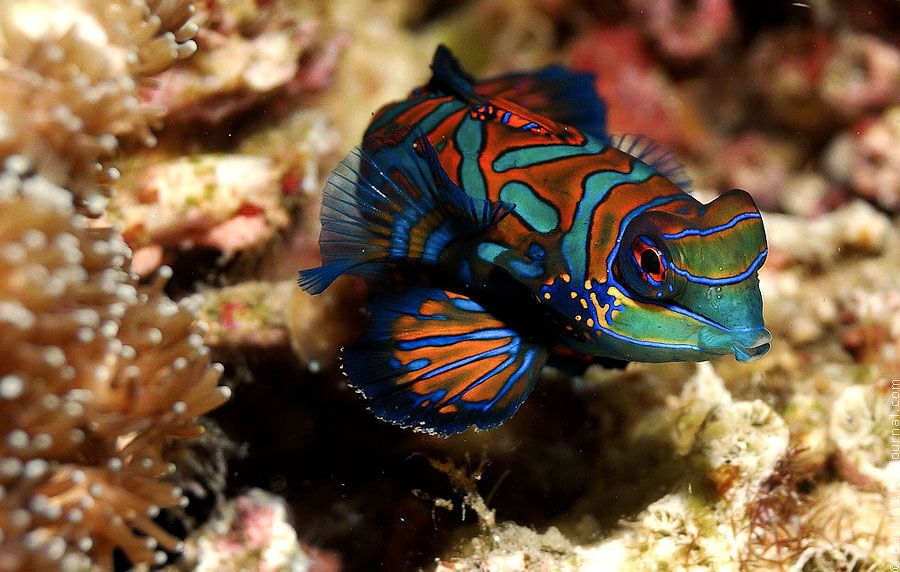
x: 684, y: 287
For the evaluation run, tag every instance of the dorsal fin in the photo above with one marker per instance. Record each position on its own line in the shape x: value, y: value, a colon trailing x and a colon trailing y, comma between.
x: 555, y: 92
x: 567, y: 96
x: 515, y: 117
x: 658, y: 156
x: 450, y: 77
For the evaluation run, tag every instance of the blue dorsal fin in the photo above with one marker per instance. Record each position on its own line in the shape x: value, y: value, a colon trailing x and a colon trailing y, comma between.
x: 659, y: 157
x: 560, y: 94
x: 438, y: 362
x: 405, y: 210
x: 553, y: 93
x: 449, y: 76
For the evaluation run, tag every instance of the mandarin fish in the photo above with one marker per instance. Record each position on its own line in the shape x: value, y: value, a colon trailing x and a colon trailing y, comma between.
x: 496, y: 221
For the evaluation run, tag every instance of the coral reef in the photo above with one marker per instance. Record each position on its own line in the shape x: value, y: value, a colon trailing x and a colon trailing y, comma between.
x: 686, y: 32
x: 103, y: 374
x: 100, y: 375
x: 250, y: 52
x: 265, y: 316
x: 227, y: 202
x: 784, y: 68
x: 867, y: 161
x: 640, y: 96
x: 511, y: 547
x: 71, y: 73
x: 863, y: 74
x: 860, y: 419
x: 761, y: 164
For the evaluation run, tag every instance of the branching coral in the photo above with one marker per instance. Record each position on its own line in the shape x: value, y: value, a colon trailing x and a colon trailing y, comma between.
x: 99, y: 374
x: 69, y: 79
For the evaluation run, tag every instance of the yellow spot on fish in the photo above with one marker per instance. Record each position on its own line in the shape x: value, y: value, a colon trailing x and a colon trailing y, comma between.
x: 565, y: 277
x: 573, y: 295
x: 590, y: 322
x: 583, y: 303
x: 587, y: 284
x: 546, y: 295
x: 616, y: 295
x: 598, y: 309
x: 577, y: 318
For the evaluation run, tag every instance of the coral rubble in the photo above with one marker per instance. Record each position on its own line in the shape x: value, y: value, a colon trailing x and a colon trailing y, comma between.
x: 253, y: 533
x: 228, y: 202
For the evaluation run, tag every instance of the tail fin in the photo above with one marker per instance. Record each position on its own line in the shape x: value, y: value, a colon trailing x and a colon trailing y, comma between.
x: 405, y: 211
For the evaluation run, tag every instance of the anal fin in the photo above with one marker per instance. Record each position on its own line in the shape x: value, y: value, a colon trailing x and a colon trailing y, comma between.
x: 438, y: 362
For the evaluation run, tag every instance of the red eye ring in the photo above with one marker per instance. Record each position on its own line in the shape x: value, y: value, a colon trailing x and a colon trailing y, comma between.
x: 651, y: 262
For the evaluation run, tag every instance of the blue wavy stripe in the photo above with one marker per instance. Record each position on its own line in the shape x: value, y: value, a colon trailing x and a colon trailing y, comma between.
x: 726, y: 280
x: 449, y: 340
x: 711, y: 230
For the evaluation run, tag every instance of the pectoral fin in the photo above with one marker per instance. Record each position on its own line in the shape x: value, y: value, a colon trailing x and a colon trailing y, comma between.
x: 405, y: 210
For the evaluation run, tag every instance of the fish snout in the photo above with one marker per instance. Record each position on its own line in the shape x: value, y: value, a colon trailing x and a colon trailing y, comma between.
x: 745, y: 345
x: 753, y: 346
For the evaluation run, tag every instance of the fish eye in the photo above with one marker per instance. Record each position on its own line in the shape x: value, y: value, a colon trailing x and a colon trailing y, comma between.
x: 650, y: 260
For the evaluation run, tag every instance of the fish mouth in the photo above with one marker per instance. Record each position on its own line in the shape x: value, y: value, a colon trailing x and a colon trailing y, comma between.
x: 748, y: 353
x: 745, y: 345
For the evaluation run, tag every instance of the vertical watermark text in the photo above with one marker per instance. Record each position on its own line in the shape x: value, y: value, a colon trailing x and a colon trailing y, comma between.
x: 894, y: 484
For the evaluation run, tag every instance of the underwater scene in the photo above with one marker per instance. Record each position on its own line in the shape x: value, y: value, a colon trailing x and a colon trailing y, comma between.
x: 463, y: 285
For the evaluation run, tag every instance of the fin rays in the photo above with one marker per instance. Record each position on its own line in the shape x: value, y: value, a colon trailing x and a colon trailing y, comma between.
x: 405, y: 213
x: 659, y: 157
x: 417, y: 374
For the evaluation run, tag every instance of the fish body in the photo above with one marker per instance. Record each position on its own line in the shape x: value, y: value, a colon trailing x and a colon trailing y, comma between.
x: 525, y: 227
